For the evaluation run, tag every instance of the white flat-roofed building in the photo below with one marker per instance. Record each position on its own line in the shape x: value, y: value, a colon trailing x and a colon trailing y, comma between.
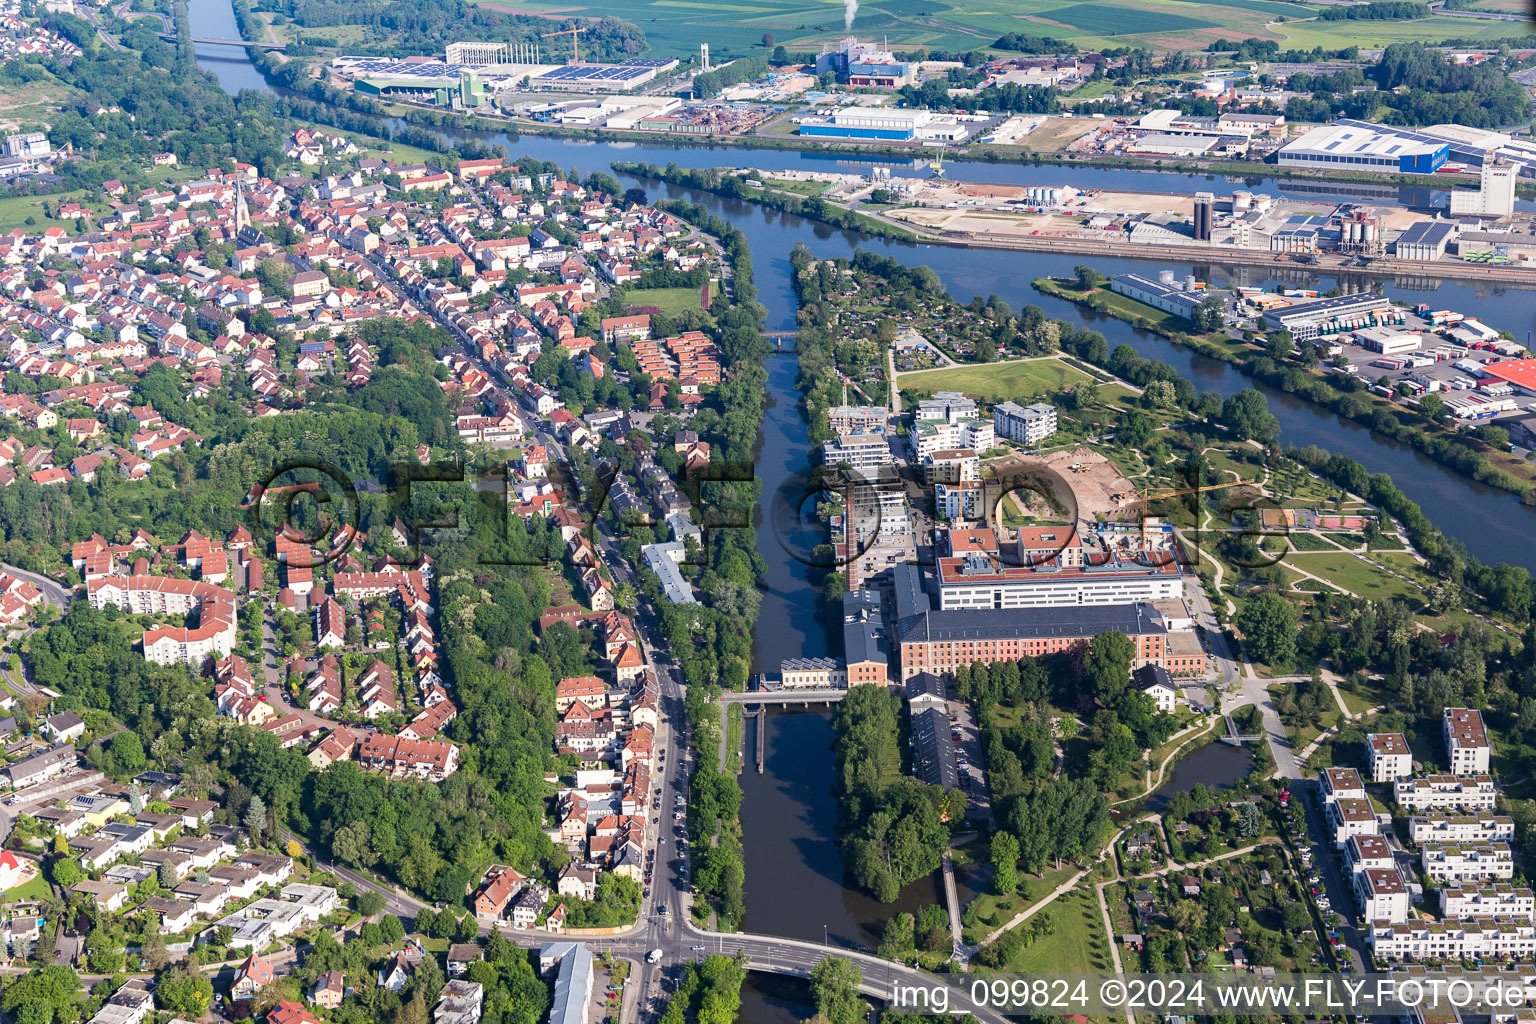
x: 1368, y: 853
x: 978, y: 581
x: 1445, y: 792
x: 1487, y: 899
x: 929, y: 436
x: 1466, y: 741
x: 1351, y: 816
x: 1341, y: 784
x: 1473, y: 938
x: 269, y: 919
x: 885, y: 123
x: 1440, y: 827
x: 1361, y: 147
x: 1460, y: 862
x: 860, y: 452
x: 1389, y: 756
x: 1028, y: 424
x: 1381, y: 894
x: 812, y: 674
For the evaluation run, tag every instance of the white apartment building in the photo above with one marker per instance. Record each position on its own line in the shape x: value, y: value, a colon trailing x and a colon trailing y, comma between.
x: 1389, y: 756
x: 1381, y: 894
x: 949, y: 406
x: 863, y: 453
x: 929, y: 436
x: 1445, y: 792
x: 1466, y: 741
x: 1458, y: 939
x: 951, y: 466
x: 1350, y: 816
x: 1341, y: 784
x: 1462, y: 862
x: 1440, y: 827
x: 1028, y: 424
x: 1368, y: 853
x: 1487, y: 899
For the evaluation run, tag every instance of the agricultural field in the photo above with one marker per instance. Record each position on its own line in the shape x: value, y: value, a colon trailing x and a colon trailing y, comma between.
x: 997, y: 382
x: 676, y: 27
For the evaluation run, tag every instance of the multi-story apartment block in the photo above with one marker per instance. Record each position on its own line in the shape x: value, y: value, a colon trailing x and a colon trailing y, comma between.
x: 1466, y: 741
x: 1381, y: 894
x: 1027, y: 425
x: 1440, y: 827
x: 1445, y: 792
x: 1487, y: 899
x: 1350, y: 816
x: 862, y: 453
x: 1389, y: 756
x: 1341, y: 784
x: 1461, y: 862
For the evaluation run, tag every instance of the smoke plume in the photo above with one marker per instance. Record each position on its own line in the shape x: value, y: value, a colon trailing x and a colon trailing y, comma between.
x: 850, y: 8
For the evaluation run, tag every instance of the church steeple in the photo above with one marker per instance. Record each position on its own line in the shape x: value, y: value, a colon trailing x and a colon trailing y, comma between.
x: 242, y: 213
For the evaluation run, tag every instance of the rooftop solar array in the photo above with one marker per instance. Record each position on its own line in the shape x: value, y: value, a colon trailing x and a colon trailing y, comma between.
x: 595, y: 73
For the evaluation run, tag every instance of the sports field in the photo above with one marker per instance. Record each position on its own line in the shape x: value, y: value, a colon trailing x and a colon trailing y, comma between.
x: 736, y: 27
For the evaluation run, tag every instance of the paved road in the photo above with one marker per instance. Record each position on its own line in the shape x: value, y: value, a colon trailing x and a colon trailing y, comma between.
x: 665, y: 922
x: 56, y: 594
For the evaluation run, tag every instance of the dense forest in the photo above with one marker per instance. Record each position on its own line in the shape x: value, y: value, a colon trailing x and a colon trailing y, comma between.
x: 1416, y: 85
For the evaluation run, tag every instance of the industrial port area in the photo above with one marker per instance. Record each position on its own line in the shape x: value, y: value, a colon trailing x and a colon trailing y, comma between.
x: 1477, y: 231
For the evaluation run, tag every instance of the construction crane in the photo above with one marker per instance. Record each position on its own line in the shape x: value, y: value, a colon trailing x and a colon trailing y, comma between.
x: 573, y: 33
x: 937, y: 166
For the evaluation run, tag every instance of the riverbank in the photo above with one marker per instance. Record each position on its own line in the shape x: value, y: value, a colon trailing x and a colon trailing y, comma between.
x: 1480, y: 273
x: 1454, y: 449
x: 976, y: 152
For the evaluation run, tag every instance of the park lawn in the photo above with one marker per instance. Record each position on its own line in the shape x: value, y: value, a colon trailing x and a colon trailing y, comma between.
x: 1077, y: 943
x: 801, y: 188
x: 992, y: 911
x: 1369, y: 695
x: 671, y: 301
x: 997, y: 382
x: 1355, y: 575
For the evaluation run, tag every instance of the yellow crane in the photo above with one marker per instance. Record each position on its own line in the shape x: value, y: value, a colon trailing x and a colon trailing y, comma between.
x: 573, y: 33
x: 937, y: 166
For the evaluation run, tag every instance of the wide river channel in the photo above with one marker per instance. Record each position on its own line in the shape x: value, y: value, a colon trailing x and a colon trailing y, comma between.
x: 794, y: 874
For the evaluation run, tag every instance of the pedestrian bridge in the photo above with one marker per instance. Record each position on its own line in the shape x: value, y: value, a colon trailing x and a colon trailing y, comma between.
x: 794, y: 696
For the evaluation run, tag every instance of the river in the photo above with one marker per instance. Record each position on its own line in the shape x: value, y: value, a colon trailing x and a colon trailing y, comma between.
x: 794, y: 877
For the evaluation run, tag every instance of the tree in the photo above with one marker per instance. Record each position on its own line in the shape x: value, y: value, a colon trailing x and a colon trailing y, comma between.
x: 37, y: 997
x: 152, y: 950
x: 184, y: 993
x: 768, y: 40
x: 256, y: 818
x: 1107, y: 668
x: 835, y: 991
x: 127, y: 754
x: 1432, y: 407
x: 1246, y: 414
x: 1268, y: 624
x: 1005, y: 864
x: 66, y: 872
